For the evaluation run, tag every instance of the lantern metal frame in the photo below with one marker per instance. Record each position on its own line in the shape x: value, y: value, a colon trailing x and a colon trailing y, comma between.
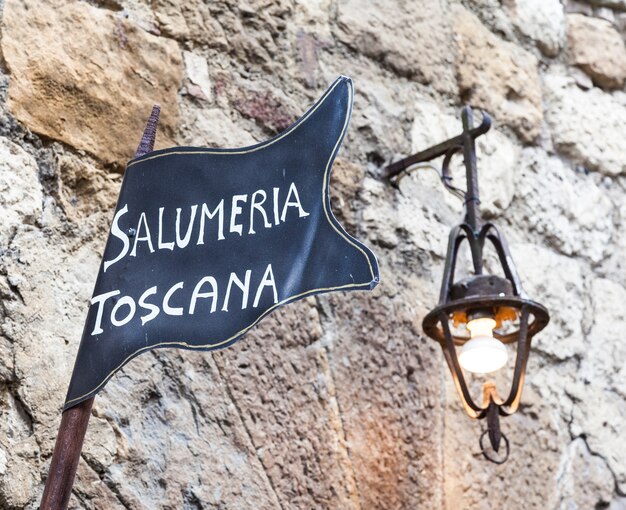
x: 518, y: 318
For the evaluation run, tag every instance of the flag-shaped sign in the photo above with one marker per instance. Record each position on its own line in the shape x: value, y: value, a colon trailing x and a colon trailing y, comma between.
x: 206, y: 242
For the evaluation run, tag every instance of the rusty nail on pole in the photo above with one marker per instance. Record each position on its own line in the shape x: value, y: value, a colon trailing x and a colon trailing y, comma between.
x: 146, y: 144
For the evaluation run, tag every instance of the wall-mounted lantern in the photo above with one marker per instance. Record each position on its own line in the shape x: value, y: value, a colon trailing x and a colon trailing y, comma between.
x: 479, y: 316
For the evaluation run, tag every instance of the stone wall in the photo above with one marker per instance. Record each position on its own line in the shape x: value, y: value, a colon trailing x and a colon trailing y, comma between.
x: 337, y: 401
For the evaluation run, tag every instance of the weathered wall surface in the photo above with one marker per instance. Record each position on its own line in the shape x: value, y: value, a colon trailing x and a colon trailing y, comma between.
x: 337, y: 401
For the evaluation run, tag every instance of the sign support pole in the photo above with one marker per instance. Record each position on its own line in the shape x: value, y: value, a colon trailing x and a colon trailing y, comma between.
x: 69, y: 444
x: 74, y: 421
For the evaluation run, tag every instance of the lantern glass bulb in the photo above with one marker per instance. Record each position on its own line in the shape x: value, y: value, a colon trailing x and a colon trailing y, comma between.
x: 483, y: 353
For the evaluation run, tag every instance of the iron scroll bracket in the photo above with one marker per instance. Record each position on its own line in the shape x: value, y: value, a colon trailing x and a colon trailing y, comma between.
x: 465, y: 143
x: 450, y: 146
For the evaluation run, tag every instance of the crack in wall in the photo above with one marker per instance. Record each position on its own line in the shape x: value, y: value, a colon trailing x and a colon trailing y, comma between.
x: 110, y: 485
x: 618, y: 490
x: 242, y: 420
x: 583, y: 436
x: 341, y: 429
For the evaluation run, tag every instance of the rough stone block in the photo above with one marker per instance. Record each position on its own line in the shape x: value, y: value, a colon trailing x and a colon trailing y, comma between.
x: 497, y: 75
x: 543, y: 21
x: 597, y: 48
x: 416, y: 43
x: 21, y: 196
x: 587, y: 125
x: 87, y: 77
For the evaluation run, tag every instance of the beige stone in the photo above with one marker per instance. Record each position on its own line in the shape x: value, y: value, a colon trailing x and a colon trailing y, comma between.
x: 614, y: 264
x: 198, y: 75
x: 247, y: 31
x: 194, y: 20
x: 600, y: 381
x: 379, y: 103
x: 411, y: 212
x: 597, y: 48
x: 584, y: 480
x: 91, y: 492
x: 416, y: 43
x: 18, y: 453
x: 543, y: 21
x: 21, y: 196
x: 390, y: 425
x: 315, y: 470
x: 84, y: 189
x: 172, y: 439
x: 552, y: 280
x: 566, y: 208
x: 315, y: 14
x: 618, y: 5
x: 587, y: 126
x: 497, y: 75
x: 211, y: 128
x: 100, y: 444
x: 345, y: 187
x: 88, y: 77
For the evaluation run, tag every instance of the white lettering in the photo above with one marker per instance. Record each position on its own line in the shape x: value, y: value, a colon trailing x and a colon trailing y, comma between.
x: 244, y: 286
x: 207, y: 214
x: 182, y: 243
x: 128, y: 301
x: 147, y: 237
x: 257, y: 205
x: 161, y: 244
x: 236, y: 211
x: 99, y: 300
x: 267, y: 281
x: 276, y: 216
x: 197, y: 294
x: 166, y: 300
x: 154, y: 309
x: 296, y: 203
x: 120, y: 234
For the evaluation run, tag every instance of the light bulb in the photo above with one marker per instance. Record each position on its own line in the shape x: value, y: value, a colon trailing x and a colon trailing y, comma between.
x: 482, y: 353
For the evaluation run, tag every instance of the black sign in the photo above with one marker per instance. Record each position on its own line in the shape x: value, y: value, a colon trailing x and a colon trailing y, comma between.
x: 206, y: 242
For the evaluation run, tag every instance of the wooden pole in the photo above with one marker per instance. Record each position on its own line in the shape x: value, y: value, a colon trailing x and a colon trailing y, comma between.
x: 69, y: 444
x: 74, y: 421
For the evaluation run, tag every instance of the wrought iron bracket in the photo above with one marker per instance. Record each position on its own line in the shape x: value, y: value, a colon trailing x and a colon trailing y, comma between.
x: 465, y: 143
